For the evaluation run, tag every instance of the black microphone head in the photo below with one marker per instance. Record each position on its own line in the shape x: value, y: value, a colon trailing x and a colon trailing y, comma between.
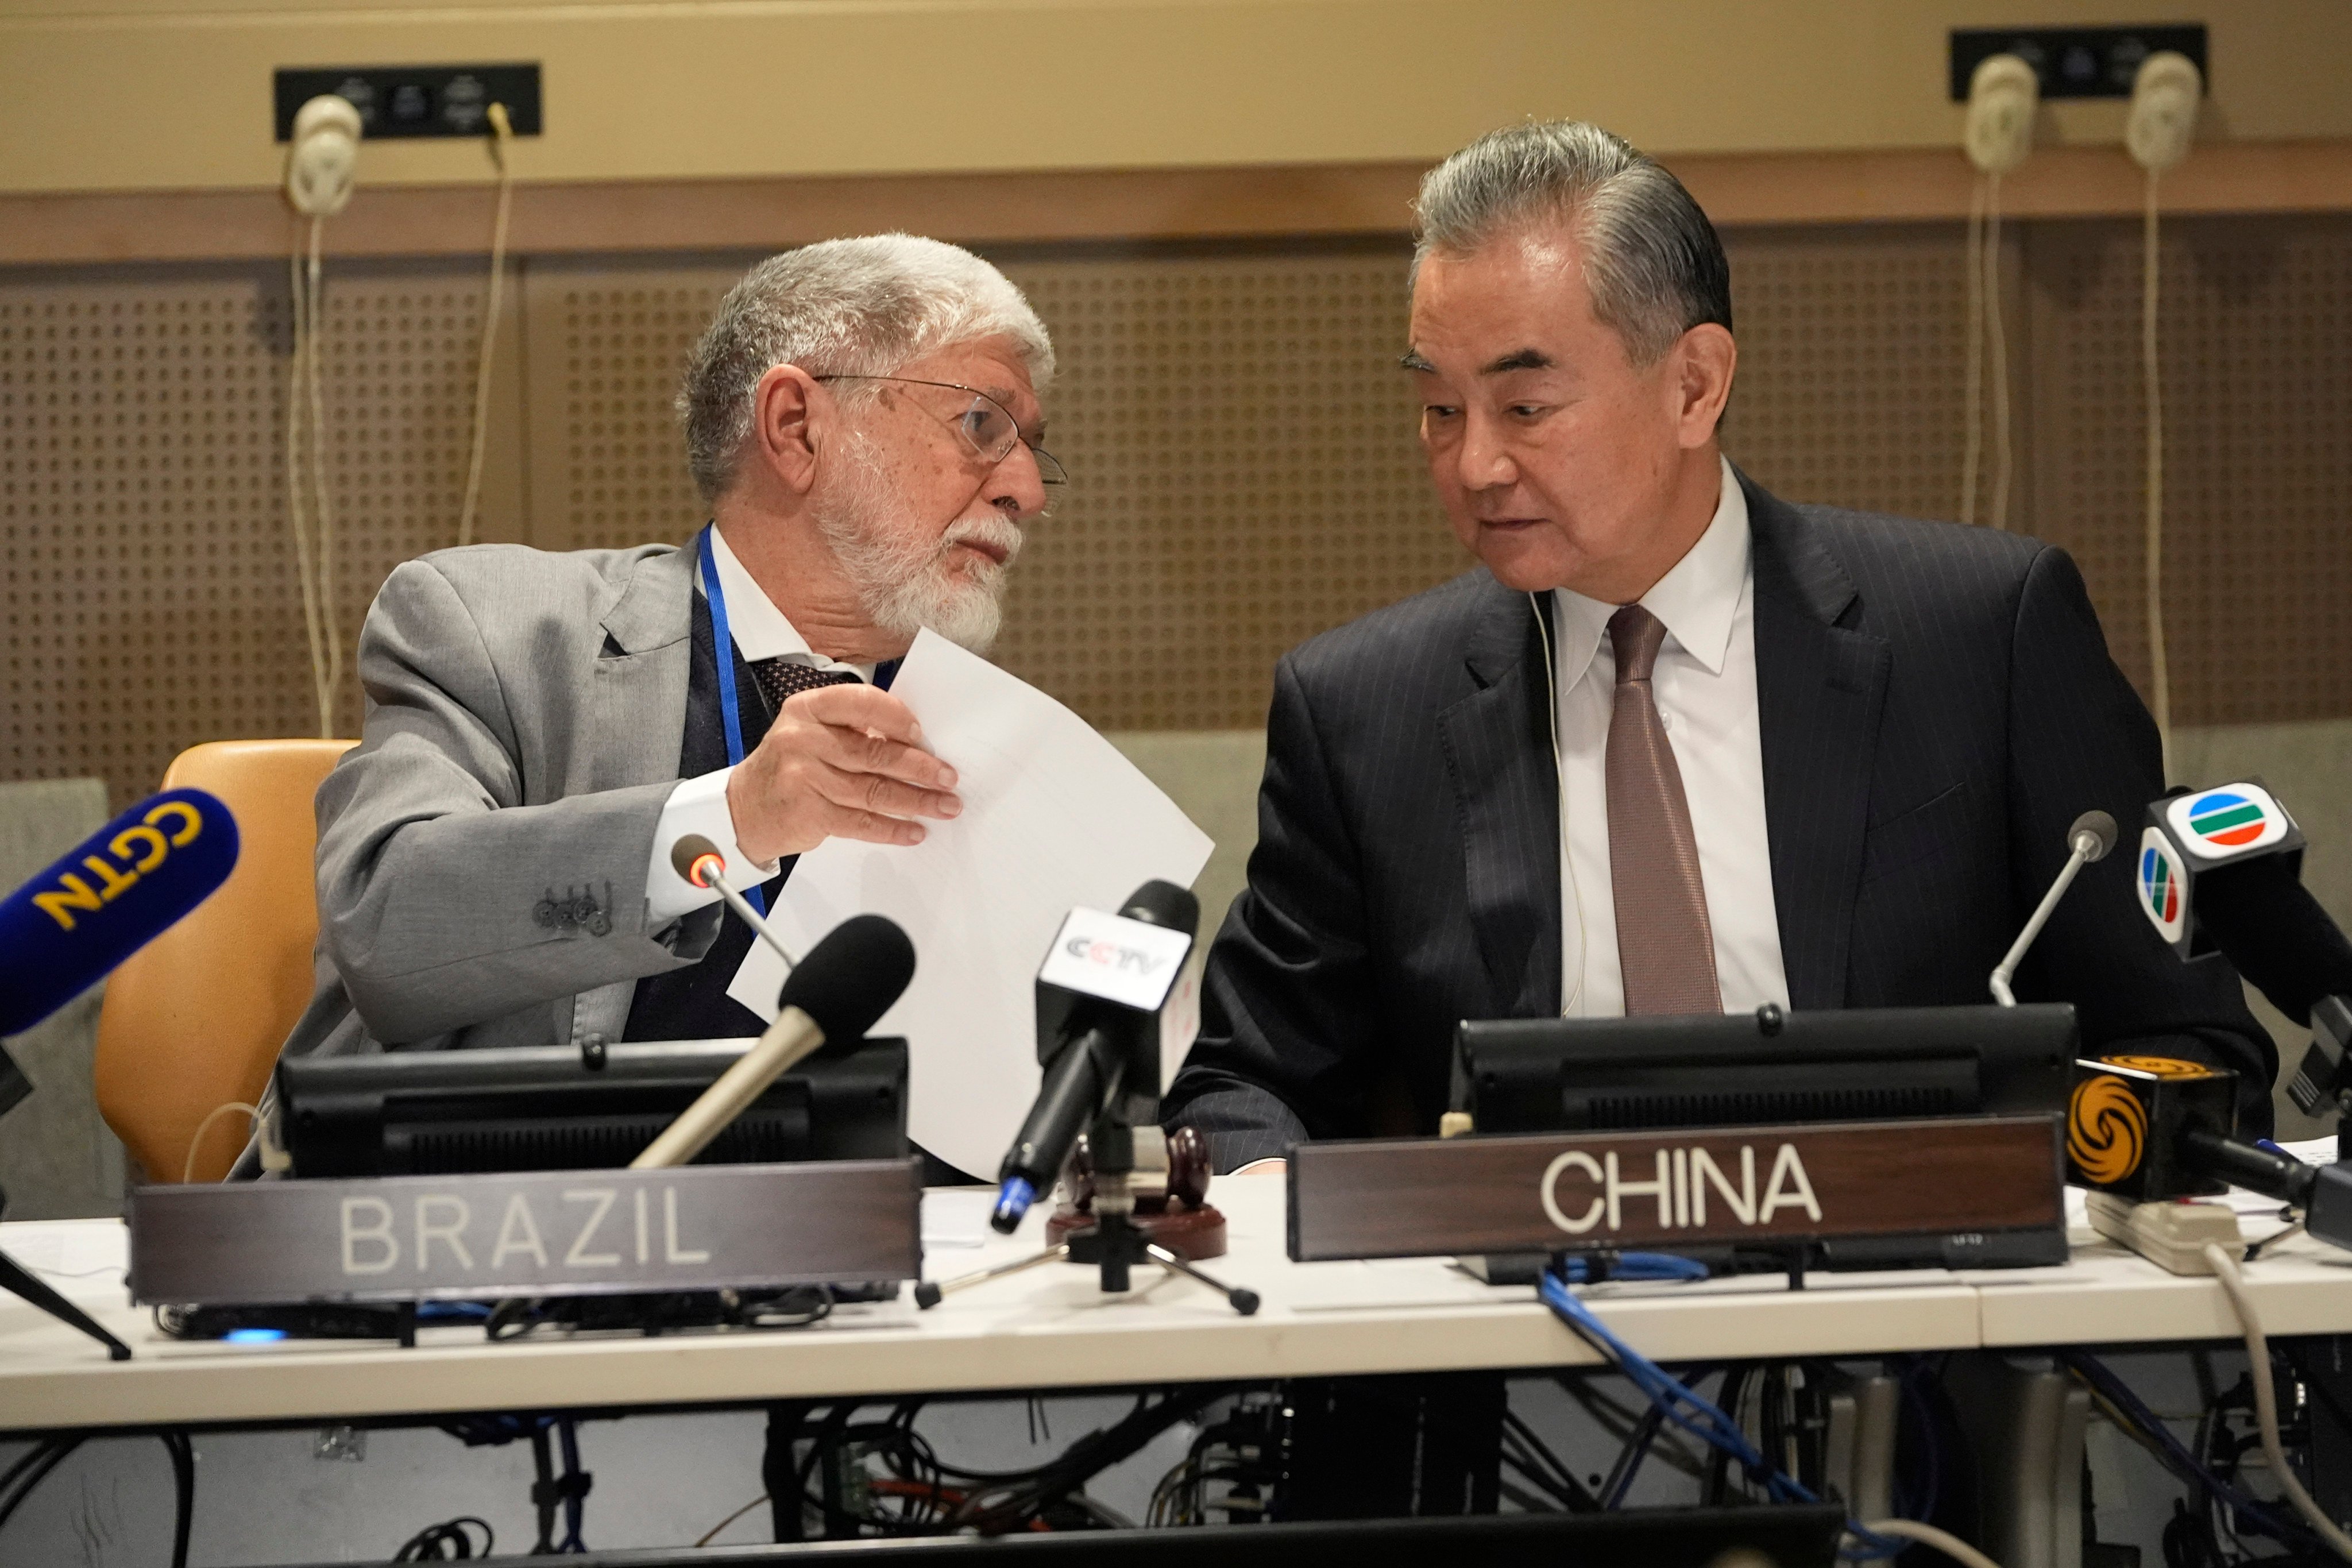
x: 1166, y: 905
x: 2275, y: 934
x: 851, y: 977
x: 2102, y: 829
x: 693, y: 846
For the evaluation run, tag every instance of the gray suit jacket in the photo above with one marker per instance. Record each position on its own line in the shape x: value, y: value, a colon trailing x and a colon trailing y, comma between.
x: 483, y: 851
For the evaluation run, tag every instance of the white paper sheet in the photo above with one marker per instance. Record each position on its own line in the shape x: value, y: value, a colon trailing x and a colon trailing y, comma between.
x: 1052, y: 817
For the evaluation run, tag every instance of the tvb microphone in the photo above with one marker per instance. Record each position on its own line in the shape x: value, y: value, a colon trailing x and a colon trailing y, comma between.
x: 2093, y: 835
x: 698, y: 860
x: 107, y: 898
x: 1099, y: 993
x: 847, y: 982
x: 2220, y: 873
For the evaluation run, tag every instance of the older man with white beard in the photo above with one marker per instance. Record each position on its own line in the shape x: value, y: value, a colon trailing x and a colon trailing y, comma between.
x: 862, y: 418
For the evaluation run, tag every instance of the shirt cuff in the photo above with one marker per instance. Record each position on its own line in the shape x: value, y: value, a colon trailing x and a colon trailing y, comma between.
x: 696, y: 806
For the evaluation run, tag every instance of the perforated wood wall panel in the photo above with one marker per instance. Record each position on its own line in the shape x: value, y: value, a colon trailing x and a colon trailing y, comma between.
x: 150, y: 598
x: 1851, y: 387
x: 1242, y: 445
x: 1245, y: 475
x: 2256, y: 324
x: 608, y: 347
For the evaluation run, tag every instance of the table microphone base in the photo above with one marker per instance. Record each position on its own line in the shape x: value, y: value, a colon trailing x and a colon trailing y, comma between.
x: 1114, y: 1245
x: 1194, y: 1234
x: 18, y: 1280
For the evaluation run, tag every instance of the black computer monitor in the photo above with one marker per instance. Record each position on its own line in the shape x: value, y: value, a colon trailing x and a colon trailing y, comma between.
x: 1553, y: 1075
x: 546, y: 1108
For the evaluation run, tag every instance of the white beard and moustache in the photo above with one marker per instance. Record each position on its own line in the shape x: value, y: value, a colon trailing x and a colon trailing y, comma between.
x: 903, y: 582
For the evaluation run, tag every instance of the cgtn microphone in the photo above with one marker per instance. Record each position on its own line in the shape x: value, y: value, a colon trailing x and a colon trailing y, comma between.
x: 107, y: 898
x: 1099, y: 995
x: 849, y: 980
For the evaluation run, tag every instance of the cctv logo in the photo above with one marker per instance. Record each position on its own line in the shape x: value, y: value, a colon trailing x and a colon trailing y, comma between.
x: 1111, y: 955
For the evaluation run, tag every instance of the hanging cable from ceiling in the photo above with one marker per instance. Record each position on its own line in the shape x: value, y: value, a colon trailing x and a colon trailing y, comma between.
x: 2156, y: 132
x: 501, y: 152
x: 321, y: 161
x: 2003, y: 96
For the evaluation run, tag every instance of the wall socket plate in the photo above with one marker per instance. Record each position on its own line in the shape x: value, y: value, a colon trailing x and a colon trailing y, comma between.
x: 416, y: 100
x: 2075, y: 62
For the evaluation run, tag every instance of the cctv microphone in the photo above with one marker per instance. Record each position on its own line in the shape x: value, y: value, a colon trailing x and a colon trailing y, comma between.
x: 845, y: 985
x: 1099, y: 993
x: 2093, y: 835
x: 107, y: 898
x: 699, y: 861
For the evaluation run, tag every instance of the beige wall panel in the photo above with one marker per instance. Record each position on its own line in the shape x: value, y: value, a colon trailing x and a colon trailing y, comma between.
x: 608, y: 348
x: 1853, y: 370
x: 2256, y: 326
x: 1245, y: 474
x: 781, y: 87
x: 150, y: 599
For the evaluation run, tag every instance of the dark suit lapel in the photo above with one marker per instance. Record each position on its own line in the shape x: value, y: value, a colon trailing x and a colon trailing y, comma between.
x: 1498, y: 753
x: 1819, y: 689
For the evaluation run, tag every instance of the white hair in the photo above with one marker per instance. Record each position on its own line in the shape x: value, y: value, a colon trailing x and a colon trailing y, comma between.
x: 868, y: 306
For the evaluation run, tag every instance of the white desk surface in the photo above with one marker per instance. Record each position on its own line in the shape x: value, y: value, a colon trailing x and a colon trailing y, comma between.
x: 1051, y: 1327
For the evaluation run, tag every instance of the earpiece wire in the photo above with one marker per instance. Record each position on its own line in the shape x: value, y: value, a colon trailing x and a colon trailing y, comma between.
x: 1560, y: 783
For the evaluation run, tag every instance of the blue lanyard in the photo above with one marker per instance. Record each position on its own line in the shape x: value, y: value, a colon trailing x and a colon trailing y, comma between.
x: 723, y: 649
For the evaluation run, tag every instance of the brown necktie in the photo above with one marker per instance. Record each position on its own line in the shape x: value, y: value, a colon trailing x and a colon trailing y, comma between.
x: 1666, y: 948
x: 782, y: 678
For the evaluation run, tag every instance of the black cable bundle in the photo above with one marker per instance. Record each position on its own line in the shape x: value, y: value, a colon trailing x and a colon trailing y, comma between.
x: 928, y: 1495
x: 33, y: 1467
x: 447, y: 1542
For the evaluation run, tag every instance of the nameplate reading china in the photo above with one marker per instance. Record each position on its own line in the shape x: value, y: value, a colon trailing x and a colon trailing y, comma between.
x: 1556, y: 1192
x: 540, y: 1233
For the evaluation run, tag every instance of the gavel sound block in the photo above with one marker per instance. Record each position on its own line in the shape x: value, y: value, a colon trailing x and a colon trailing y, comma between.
x: 1171, y: 1191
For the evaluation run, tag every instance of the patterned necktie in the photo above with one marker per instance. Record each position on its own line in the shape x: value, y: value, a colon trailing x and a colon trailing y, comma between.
x: 1666, y: 946
x: 783, y: 678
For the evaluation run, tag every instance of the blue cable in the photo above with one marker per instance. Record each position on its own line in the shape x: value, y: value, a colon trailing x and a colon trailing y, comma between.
x: 2180, y: 1461
x: 1705, y: 1420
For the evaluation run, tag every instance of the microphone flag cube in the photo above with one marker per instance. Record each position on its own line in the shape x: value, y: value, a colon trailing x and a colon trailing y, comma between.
x: 2125, y: 1118
x: 2194, y: 834
x: 1106, y: 958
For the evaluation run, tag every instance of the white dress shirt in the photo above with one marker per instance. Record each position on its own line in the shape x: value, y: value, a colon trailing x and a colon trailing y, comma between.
x: 699, y: 804
x: 1705, y: 683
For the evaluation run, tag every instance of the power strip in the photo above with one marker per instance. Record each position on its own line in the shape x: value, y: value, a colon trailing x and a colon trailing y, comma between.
x: 2172, y: 1235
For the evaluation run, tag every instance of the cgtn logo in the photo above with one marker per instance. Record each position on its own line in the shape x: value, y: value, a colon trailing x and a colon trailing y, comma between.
x: 2163, y: 890
x: 1119, y: 960
x: 2232, y: 820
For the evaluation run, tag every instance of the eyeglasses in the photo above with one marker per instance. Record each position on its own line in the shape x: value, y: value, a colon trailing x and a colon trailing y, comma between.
x: 986, y: 426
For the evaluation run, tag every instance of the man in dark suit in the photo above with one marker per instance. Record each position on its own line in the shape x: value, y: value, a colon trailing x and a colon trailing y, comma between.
x: 1676, y: 745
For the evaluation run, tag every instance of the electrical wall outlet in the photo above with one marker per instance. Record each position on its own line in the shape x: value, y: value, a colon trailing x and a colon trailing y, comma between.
x: 416, y: 100
x: 2069, y: 62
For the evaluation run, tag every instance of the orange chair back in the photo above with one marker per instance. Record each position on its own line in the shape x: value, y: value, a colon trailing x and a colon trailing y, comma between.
x: 194, y: 1020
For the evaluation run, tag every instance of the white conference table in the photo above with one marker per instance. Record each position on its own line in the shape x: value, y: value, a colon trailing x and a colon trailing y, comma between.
x: 1053, y: 1327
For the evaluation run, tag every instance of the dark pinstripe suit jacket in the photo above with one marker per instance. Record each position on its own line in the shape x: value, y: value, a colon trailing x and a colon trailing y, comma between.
x: 1937, y: 705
